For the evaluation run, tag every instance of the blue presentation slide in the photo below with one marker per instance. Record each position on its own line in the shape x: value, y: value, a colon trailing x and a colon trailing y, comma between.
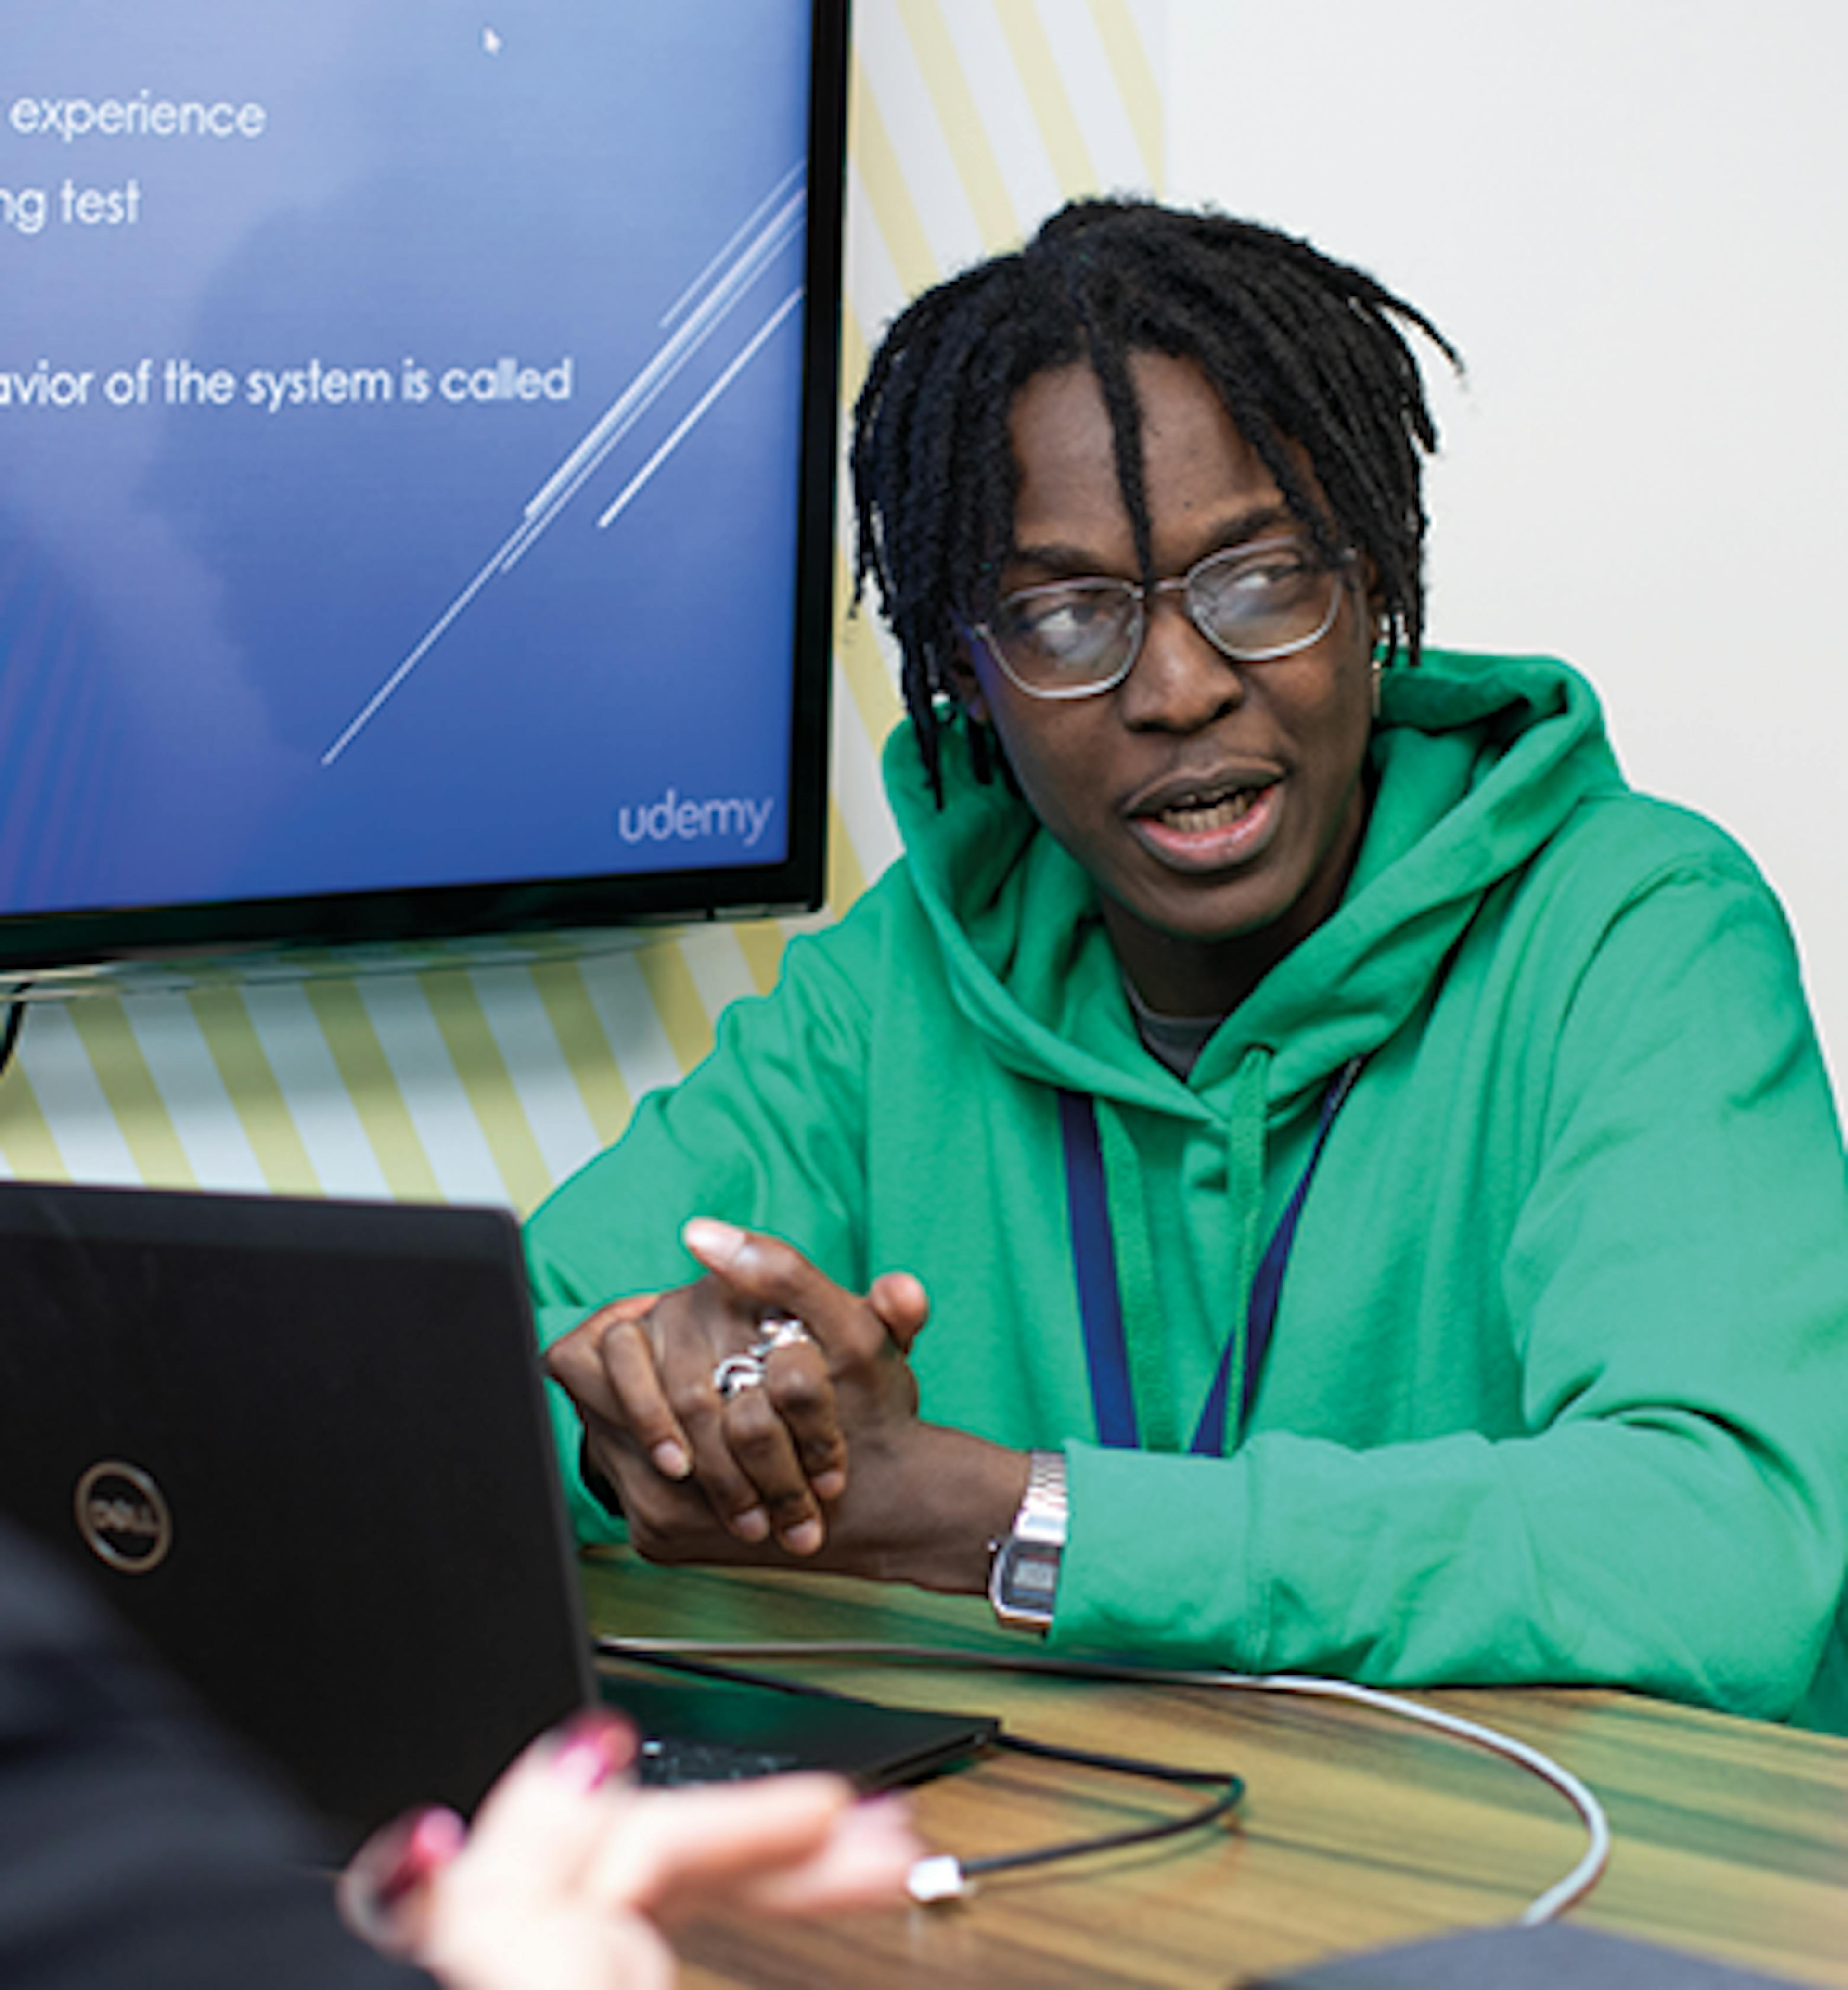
x: 399, y: 413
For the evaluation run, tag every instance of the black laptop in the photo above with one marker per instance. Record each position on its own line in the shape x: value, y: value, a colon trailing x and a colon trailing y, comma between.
x: 302, y: 1447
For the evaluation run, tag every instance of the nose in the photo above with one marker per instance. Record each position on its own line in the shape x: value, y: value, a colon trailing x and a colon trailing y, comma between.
x: 1180, y: 683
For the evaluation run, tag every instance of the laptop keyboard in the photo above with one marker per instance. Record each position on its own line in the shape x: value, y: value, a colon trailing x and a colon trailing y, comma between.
x: 665, y: 1761
x: 706, y: 1731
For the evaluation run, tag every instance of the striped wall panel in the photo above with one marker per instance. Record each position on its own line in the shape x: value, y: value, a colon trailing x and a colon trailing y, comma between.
x: 433, y: 1078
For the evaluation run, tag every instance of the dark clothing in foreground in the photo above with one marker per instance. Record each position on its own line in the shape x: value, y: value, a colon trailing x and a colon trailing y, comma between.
x: 136, y: 1848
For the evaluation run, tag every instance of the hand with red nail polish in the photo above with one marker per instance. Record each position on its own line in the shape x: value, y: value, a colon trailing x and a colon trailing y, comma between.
x: 570, y: 1875
x: 384, y: 1893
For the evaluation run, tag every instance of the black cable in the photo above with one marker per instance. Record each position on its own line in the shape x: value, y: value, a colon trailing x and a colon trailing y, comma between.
x: 1229, y: 1788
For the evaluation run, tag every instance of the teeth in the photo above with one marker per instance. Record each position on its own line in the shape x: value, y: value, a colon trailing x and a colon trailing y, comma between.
x: 1195, y: 818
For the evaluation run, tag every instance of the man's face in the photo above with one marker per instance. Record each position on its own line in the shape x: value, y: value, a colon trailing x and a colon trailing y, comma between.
x: 1217, y: 805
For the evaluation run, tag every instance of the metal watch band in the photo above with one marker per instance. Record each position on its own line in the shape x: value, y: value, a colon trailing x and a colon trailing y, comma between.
x: 1044, y: 1509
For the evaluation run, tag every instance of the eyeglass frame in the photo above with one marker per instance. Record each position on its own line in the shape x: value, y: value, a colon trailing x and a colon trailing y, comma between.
x: 1139, y: 592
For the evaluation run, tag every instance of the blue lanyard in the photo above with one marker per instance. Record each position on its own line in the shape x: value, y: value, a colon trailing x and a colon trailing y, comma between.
x: 1099, y: 1298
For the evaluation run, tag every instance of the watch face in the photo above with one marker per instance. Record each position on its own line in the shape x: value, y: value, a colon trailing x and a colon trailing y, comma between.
x: 1028, y: 1577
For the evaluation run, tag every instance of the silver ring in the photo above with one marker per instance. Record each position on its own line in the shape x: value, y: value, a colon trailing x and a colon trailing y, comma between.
x: 779, y: 1331
x: 737, y: 1372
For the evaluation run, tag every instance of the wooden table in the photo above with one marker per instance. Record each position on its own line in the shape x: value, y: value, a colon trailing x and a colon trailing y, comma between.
x: 1731, y: 1837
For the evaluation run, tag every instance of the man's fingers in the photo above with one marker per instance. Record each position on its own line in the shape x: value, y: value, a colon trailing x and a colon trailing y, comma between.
x: 575, y: 1361
x: 575, y: 1364
x: 761, y: 1440
x: 776, y: 1277
x: 642, y: 1407
x: 740, y: 1384
x: 796, y: 1380
x: 903, y: 1305
x: 705, y: 1416
x: 839, y: 1334
x: 655, y: 1379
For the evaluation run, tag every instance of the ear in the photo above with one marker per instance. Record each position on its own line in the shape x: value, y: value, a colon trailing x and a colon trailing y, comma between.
x: 1371, y: 590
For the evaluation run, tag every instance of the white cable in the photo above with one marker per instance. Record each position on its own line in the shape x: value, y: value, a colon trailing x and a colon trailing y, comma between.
x: 1564, y: 1892
x: 1544, y: 1907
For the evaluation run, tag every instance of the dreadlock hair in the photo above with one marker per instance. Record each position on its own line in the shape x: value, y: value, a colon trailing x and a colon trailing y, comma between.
x: 1302, y: 350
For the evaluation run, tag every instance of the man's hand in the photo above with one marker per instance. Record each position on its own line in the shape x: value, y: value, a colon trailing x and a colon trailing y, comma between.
x: 704, y: 1477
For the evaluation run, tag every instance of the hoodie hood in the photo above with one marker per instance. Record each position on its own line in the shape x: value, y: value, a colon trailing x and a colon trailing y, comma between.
x: 1478, y: 760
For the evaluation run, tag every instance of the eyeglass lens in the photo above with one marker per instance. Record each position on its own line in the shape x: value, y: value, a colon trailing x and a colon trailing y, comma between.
x: 1251, y: 602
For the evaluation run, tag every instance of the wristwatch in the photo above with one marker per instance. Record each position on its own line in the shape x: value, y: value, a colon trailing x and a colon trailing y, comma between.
x: 1023, y: 1579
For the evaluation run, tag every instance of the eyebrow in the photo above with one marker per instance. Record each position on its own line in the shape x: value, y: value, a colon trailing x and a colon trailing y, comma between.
x: 1066, y: 561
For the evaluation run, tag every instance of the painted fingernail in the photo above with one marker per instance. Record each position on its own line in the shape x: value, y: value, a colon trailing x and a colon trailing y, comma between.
x: 426, y: 1842
x: 805, y: 1538
x: 671, y: 1461
x: 435, y: 1840
x: 829, y: 1484
x: 890, y: 1810
x: 591, y: 1748
x: 706, y: 1237
x: 753, y: 1524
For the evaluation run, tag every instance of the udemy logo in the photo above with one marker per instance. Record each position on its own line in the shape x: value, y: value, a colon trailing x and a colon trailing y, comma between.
x: 122, y: 1516
x: 676, y: 818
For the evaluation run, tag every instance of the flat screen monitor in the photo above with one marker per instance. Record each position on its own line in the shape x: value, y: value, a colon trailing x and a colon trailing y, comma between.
x: 417, y: 439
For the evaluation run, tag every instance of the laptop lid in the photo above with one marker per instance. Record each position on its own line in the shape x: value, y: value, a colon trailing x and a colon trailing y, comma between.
x: 302, y: 1446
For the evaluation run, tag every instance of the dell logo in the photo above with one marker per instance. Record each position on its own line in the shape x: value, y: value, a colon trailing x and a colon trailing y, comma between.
x: 122, y: 1516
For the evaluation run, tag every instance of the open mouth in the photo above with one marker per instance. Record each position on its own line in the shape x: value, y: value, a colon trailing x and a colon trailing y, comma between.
x: 1212, y: 829
x: 1199, y: 815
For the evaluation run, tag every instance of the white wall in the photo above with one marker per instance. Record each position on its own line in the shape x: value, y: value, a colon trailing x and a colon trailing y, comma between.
x: 1632, y: 216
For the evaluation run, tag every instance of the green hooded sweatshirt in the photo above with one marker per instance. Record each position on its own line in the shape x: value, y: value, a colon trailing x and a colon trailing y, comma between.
x: 1558, y: 1385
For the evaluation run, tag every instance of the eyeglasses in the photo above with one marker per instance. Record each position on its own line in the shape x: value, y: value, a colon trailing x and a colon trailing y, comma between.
x: 1253, y: 603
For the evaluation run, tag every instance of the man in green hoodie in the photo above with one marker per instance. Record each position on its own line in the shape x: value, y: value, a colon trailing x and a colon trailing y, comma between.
x: 1298, y: 1167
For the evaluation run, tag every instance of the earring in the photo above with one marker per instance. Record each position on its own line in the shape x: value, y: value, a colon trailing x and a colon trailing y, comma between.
x: 1382, y: 655
x: 944, y: 703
